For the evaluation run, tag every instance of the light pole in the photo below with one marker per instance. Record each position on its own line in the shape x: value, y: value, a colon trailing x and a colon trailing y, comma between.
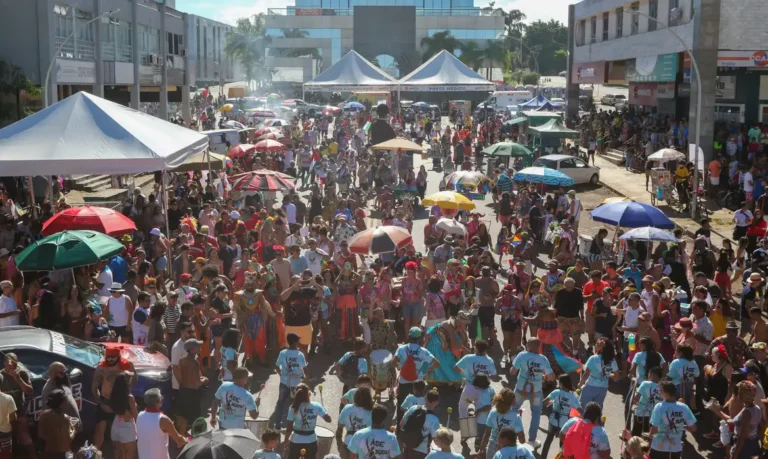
x: 535, y: 59
x: 58, y: 50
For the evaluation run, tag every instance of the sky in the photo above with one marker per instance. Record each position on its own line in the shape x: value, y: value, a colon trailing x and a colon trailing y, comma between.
x: 228, y: 11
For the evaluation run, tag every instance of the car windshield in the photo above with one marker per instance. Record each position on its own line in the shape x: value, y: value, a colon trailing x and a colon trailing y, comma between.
x: 619, y: 96
x: 543, y: 162
x: 83, y: 351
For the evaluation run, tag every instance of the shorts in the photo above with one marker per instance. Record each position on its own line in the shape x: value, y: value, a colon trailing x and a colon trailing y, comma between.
x: 413, y: 310
x: 188, y: 405
x: 304, y: 332
x: 123, y: 431
x: 487, y: 316
x: 504, y: 219
x: 161, y: 264
x: 750, y: 448
x: 121, y: 331
x: 571, y: 326
x: 103, y: 416
x: 511, y: 325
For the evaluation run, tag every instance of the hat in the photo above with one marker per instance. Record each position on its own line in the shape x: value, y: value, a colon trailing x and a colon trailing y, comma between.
x: 648, y: 279
x: 509, y: 287
x: 571, y: 193
x: 185, y: 277
x: 4, y: 252
x: 234, y: 215
x: 755, y: 277
x: 448, y: 239
x: 204, y: 229
x: 685, y: 322
x: 126, y: 238
x: 414, y: 332
x: 190, y: 343
x: 155, y: 232
x: 732, y: 325
x: 116, y: 287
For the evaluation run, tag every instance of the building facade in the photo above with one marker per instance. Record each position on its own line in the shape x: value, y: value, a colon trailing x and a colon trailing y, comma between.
x: 315, y: 34
x: 619, y: 42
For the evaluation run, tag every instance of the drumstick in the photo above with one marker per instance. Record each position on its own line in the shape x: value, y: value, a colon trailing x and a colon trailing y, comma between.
x: 320, y: 388
x: 261, y: 388
x: 450, y: 410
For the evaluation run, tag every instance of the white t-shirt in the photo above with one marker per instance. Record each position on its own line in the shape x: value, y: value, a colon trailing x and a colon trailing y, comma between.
x: 7, y: 406
x: 314, y: 260
x: 748, y: 178
x: 288, y: 158
x: 575, y: 209
x: 290, y: 212
x: 742, y: 217
x: 177, y: 353
x: 105, y: 277
x: 631, y: 319
x: 8, y: 304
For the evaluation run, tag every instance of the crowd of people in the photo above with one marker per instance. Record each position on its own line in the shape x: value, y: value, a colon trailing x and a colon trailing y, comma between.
x: 254, y: 280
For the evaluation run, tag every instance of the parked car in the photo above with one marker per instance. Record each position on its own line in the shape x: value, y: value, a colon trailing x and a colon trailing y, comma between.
x: 571, y: 166
x: 612, y: 99
x: 38, y: 348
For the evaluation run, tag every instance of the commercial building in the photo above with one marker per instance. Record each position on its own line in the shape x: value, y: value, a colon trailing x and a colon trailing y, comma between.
x: 614, y: 41
x: 120, y: 56
x: 315, y: 34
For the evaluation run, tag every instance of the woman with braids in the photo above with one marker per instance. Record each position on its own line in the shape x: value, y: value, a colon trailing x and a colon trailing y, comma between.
x: 598, y: 370
x: 302, y: 419
x: 718, y: 376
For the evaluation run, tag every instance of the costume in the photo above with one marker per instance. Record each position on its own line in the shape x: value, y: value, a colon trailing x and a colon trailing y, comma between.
x: 552, y: 345
x: 347, y: 306
x: 439, y: 344
x: 253, y: 312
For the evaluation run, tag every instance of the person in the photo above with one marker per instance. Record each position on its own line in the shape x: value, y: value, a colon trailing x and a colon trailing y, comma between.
x: 355, y: 417
x: 232, y: 401
x: 503, y: 414
x: 230, y: 343
x: 375, y: 442
x: 55, y: 428
x: 447, y: 341
x: 470, y: 366
x: 58, y: 379
x: 118, y: 310
x: 302, y: 419
x: 153, y: 428
x: 254, y: 315
x: 569, y: 307
x: 190, y: 381
x: 508, y: 448
x: 563, y: 400
x: 747, y: 422
x: 669, y: 421
x: 411, y: 359
x: 8, y: 417
x: 718, y: 377
x: 270, y: 440
x: 443, y: 439
x: 703, y: 335
x: 429, y: 427
x: 291, y: 366
x: 599, y: 447
x: 511, y: 309
x: 104, y: 378
x: 298, y: 317
x: 349, y: 370
x: 683, y: 372
x: 531, y: 368
x: 123, y: 432
x: 10, y: 314
x: 646, y: 397
x: 598, y: 370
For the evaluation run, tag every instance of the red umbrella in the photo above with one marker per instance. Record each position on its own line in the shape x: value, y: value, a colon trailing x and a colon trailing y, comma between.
x: 98, y: 219
x: 241, y: 150
x: 272, y: 136
x: 384, y: 239
x: 265, y: 130
x: 262, y: 180
x: 269, y: 145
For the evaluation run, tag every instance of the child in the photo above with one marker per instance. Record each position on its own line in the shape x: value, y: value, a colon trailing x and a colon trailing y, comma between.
x: 683, y: 371
x: 563, y: 400
x: 347, y: 370
x: 483, y: 404
x: 229, y: 345
x: 429, y: 427
x: 646, y: 397
x: 416, y: 398
x: 503, y: 414
x: 636, y: 448
x: 291, y: 366
x: 508, y: 448
x: 443, y: 440
x: 598, y: 370
x: 363, y: 382
x: 669, y: 421
x: 270, y: 439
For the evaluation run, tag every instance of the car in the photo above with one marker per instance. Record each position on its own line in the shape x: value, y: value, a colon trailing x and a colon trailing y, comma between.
x: 612, y: 99
x: 571, y: 166
x: 330, y: 110
x: 557, y: 101
x: 38, y: 348
x: 276, y: 122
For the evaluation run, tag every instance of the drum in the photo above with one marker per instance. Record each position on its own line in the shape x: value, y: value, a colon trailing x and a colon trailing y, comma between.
x: 258, y: 426
x: 468, y: 427
x: 324, y: 441
x: 381, y: 360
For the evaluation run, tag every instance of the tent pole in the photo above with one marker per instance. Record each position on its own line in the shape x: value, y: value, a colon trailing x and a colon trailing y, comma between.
x: 32, y: 206
x: 208, y: 154
x: 167, y: 226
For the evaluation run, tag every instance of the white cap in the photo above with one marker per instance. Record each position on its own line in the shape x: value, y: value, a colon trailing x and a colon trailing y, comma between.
x: 156, y: 232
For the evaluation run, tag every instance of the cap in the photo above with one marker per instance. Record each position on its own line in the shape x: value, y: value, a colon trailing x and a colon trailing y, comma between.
x: 155, y: 232
x: 414, y: 332
x: 116, y: 287
x: 732, y: 325
x: 190, y: 343
x: 185, y: 277
x: 234, y: 215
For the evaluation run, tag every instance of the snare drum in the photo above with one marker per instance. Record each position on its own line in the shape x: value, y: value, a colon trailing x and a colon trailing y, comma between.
x: 381, y: 360
x: 324, y: 441
x: 258, y: 426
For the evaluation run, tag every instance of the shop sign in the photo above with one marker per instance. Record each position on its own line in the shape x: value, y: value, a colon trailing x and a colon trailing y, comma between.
x: 644, y: 94
x: 588, y: 73
x: 69, y: 71
x: 726, y: 87
x: 315, y: 12
x: 742, y: 58
x: 665, y: 91
x: 647, y: 69
x: 686, y: 67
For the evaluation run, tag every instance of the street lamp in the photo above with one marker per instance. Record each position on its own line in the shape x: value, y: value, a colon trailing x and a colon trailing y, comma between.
x: 535, y: 59
x: 58, y: 50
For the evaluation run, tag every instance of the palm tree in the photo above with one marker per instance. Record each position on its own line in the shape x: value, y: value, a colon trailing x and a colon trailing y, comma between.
x: 472, y: 55
x: 515, y: 28
x: 247, y: 44
x: 13, y: 81
x: 494, y: 53
x: 408, y: 62
x: 439, y: 41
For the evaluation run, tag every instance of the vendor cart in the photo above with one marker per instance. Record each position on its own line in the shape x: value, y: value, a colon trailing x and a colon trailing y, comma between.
x: 662, y: 186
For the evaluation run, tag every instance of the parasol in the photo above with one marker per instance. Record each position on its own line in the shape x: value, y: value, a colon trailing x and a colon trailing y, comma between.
x: 398, y: 144
x: 269, y: 145
x: 383, y: 239
x: 68, y: 249
x: 649, y: 233
x: 262, y: 180
x: 448, y: 200
x: 543, y: 175
x: 222, y: 443
x: 241, y: 150
x: 666, y: 154
x: 451, y: 226
x: 98, y: 219
x: 631, y: 214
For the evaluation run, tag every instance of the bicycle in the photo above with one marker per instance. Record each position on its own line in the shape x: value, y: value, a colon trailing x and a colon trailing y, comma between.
x: 731, y: 198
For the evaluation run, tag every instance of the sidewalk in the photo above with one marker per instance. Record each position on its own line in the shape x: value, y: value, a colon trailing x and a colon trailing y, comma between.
x: 632, y: 185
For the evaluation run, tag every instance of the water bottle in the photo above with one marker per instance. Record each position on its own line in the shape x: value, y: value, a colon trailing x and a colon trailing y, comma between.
x: 631, y: 342
x: 659, y: 193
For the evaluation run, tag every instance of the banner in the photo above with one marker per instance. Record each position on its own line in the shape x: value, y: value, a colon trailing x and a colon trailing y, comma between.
x: 69, y: 71
x: 665, y: 91
x: 643, y: 94
x: 686, y: 67
x: 588, y: 73
x: 726, y: 88
x: 448, y: 88
x: 647, y: 69
x: 742, y: 58
x: 315, y: 12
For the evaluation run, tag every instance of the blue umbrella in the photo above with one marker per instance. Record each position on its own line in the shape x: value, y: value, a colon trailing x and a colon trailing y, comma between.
x: 354, y: 106
x: 543, y: 175
x: 631, y: 214
x: 649, y: 233
x: 420, y: 104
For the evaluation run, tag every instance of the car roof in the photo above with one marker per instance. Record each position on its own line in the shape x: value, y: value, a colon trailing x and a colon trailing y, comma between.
x: 556, y: 157
x: 22, y: 336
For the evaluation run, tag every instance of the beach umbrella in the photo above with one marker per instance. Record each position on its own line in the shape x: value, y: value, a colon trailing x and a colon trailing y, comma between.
x: 354, y: 106
x: 448, y: 200
x: 420, y: 105
x: 262, y: 180
x: 265, y: 130
x: 383, y: 239
x: 98, y: 219
x: 649, y: 233
x: 543, y: 175
x: 226, y: 107
x: 510, y: 149
x: 631, y: 214
x: 220, y: 444
x: 241, y: 150
x: 68, y: 249
x: 271, y: 136
x: 467, y: 180
x: 666, y: 154
x: 451, y: 226
x: 398, y: 144
x: 269, y: 145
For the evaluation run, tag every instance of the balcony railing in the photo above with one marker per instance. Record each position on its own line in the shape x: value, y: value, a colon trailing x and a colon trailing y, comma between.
x: 85, y: 50
x: 296, y: 11
x: 113, y: 52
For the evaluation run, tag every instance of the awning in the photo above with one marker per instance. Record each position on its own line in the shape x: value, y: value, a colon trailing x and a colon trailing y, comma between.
x: 351, y: 73
x: 514, y: 121
x: 444, y: 72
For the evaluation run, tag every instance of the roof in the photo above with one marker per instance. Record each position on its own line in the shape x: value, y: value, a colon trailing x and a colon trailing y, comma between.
x: 352, y: 72
x: 535, y: 114
x: 513, y: 121
x: 537, y: 101
x: 30, y: 337
x: 553, y: 128
x: 444, y: 72
x: 556, y: 157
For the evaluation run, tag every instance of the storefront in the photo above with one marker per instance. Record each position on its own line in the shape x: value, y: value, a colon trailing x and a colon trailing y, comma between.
x: 73, y: 76
x: 653, y: 82
x: 741, y: 76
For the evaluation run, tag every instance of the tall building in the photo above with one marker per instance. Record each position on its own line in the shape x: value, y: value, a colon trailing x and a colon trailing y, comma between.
x: 315, y: 34
x: 643, y: 44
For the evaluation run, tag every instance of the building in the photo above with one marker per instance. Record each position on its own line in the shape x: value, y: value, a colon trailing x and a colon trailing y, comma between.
x: 613, y: 41
x: 315, y: 34
x: 119, y: 56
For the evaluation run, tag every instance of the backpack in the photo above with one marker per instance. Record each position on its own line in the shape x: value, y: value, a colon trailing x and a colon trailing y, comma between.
x: 349, y: 371
x: 409, y: 372
x: 577, y: 440
x: 414, y: 425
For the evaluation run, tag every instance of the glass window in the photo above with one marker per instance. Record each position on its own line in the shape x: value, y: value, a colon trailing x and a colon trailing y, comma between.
x: 81, y: 17
x: 619, y: 22
x: 653, y: 12
x: 635, y: 19
x: 582, y: 32
x: 605, y: 26
x: 593, y: 30
x: 567, y: 164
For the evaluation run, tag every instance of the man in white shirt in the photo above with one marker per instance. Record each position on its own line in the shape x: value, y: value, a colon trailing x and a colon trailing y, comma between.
x: 574, y: 212
x: 7, y: 417
x: 749, y: 186
x: 104, y: 279
x: 186, y: 331
x: 290, y: 210
x: 742, y: 218
x: 9, y: 310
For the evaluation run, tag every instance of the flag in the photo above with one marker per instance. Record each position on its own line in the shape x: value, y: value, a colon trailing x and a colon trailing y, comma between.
x: 516, y: 240
x: 367, y: 125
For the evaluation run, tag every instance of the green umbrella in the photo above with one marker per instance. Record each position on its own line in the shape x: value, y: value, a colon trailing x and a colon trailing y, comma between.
x: 68, y: 249
x: 512, y: 149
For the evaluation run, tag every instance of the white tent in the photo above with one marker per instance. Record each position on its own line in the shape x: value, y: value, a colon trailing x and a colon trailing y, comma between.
x: 352, y: 72
x: 85, y: 134
x: 444, y: 72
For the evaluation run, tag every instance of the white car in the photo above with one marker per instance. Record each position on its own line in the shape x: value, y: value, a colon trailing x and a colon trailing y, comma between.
x: 571, y: 166
x: 612, y: 99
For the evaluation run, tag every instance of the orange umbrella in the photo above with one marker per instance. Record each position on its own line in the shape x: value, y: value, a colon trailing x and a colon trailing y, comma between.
x: 269, y: 145
x: 241, y: 150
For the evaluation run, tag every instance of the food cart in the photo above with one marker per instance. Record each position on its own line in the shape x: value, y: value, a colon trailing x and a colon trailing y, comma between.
x: 662, y: 186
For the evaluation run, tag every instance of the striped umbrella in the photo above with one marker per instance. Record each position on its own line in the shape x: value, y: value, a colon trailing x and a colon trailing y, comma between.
x: 262, y: 180
x: 543, y: 175
x: 269, y: 145
x: 240, y: 150
x: 271, y: 136
x: 384, y: 239
x: 265, y: 130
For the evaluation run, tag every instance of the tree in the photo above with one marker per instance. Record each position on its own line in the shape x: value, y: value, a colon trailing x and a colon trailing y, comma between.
x: 495, y: 53
x: 408, y: 62
x: 439, y: 41
x: 546, y: 38
x: 13, y: 81
x: 472, y: 55
x: 247, y: 44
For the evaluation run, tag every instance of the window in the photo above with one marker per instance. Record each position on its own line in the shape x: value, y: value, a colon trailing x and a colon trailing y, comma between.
x: 593, y: 30
x: 653, y: 12
x: 582, y: 32
x: 635, y: 18
x: 175, y: 44
x: 579, y: 163
x: 567, y: 164
x: 605, y: 26
x: 619, y: 22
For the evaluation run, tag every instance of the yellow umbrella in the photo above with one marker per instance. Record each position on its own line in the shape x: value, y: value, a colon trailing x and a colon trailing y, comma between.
x: 449, y: 200
x: 226, y: 107
x: 398, y: 144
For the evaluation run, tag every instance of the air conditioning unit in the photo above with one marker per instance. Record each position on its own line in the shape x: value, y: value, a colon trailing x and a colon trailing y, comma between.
x: 154, y: 59
x: 183, y: 53
x: 675, y: 15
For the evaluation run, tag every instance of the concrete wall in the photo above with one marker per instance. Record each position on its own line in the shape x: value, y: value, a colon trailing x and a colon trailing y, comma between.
x: 385, y: 30
x: 706, y: 39
x: 20, y: 19
x: 743, y: 25
x: 324, y: 44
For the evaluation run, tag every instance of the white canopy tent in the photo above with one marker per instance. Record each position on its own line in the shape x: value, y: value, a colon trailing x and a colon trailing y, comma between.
x: 444, y: 72
x: 352, y: 72
x: 85, y: 134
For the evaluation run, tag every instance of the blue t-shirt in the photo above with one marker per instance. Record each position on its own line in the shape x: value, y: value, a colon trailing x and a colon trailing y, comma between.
x: 650, y: 395
x: 639, y: 361
x: 374, y: 444
x: 671, y: 419
x: 532, y: 368
x: 422, y: 358
x: 234, y: 403
x: 227, y: 355
x: 484, y: 398
x: 362, y: 363
x: 497, y: 421
x: 298, y: 264
x: 599, y: 372
x: 291, y: 363
x: 411, y: 400
x: 261, y: 454
x: 120, y: 269
x: 354, y: 419
x: 305, y: 420
x: 431, y: 424
x: 683, y: 370
x: 635, y: 275
x: 562, y: 402
x: 473, y: 364
x: 598, y: 442
x: 443, y: 455
x: 513, y: 452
